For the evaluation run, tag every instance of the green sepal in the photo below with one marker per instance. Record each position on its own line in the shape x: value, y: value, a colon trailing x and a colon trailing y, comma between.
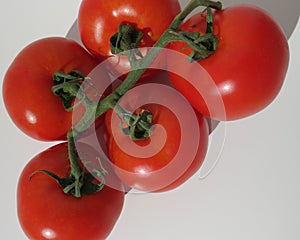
x: 127, y: 38
x: 86, y: 183
x: 139, y: 126
x: 203, y: 45
x: 66, y: 86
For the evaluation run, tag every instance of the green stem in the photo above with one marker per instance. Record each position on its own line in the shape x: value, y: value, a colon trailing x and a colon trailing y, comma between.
x: 140, y: 66
x: 77, y: 172
x: 79, y: 182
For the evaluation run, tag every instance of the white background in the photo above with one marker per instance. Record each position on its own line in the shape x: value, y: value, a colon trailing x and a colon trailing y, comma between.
x: 252, y: 193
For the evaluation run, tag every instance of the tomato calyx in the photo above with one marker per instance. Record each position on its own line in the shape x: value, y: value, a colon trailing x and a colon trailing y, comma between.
x: 87, y: 185
x: 66, y: 86
x: 127, y: 38
x: 136, y: 125
x: 203, y: 45
x: 84, y: 178
x: 71, y: 86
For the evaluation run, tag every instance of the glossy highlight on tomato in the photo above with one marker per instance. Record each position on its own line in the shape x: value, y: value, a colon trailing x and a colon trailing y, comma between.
x: 46, y: 212
x: 248, y: 68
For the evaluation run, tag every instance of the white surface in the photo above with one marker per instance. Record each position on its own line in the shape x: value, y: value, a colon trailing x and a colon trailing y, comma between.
x: 253, y: 193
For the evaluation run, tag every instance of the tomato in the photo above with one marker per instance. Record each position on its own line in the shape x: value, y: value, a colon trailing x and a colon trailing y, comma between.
x: 46, y: 212
x: 99, y: 20
x: 247, y: 70
x: 27, y: 92
x: 175, y: 149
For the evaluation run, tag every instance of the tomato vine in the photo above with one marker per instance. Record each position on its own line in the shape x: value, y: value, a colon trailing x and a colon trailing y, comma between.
x: 154, y: 132
x: 139, y: 66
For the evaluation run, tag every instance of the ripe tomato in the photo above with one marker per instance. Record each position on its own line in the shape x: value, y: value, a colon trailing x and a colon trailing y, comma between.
x: 27, y: 92
x: 175, y: 149
x: 247, y: 70
x: 98, y: 20
x: 46, y: 212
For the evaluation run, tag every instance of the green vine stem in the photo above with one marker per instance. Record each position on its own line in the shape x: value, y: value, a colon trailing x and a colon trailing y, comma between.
x: 141, y: 65
x: 78, y: 179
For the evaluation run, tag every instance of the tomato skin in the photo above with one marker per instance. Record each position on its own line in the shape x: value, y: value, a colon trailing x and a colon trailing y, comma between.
x: 45, y: 212
x: 248, y: 68
x: 99, y: 20
x: 198, y: 160
x: 28, y: 81
x: 155, y: 169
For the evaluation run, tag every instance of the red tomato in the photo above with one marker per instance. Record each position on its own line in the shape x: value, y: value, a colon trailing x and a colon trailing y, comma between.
x: 174, y: 151
x: 98, y: 20
x: 27, y: 85
x: 46, y: 212
x: 246, y: 71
